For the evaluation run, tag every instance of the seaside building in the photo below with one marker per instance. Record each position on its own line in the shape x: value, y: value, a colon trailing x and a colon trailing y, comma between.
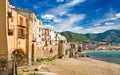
x: 31, y: 33
x: 50, y: 44
x: 18, y: 39
x: 24, y: 40
x: 72, y: 48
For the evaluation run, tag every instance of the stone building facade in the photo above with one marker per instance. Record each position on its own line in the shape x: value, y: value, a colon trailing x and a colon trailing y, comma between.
x: 16, y: 29
x: 50, y: 44
x: 23, y: 39
x: 72, y: 48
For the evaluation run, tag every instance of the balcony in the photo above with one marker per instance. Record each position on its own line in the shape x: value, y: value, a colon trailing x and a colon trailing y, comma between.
x: 21, y: 36
x: 21, y: 33
x: 20, y: 25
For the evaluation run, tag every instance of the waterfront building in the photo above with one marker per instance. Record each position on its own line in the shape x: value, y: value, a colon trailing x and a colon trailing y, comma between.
x: 15, y: 36
x: 24, y: 40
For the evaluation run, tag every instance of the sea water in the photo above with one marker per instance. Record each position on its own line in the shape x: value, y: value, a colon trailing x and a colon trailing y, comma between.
x: 108, y: 56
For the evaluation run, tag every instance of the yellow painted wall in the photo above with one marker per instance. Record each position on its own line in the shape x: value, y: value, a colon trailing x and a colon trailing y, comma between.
x: 13, y: 41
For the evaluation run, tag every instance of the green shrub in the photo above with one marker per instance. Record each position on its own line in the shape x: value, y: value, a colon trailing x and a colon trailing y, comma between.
x: 20, y: 74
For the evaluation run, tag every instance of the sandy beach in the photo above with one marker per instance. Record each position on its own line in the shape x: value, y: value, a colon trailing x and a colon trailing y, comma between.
x: 84, y: 66
x: 80, y: 66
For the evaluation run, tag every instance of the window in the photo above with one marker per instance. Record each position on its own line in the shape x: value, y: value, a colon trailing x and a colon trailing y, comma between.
x: 46, y: 44
x: 61, y: 41
x: 39, y: 30
x: 9, y: 14
x: 50, y: 42
x: 21, y: 33
x: 21, y: 20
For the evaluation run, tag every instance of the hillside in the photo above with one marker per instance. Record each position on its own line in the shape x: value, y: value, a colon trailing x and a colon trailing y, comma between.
x: 75, y: 37
x: 109, y: 36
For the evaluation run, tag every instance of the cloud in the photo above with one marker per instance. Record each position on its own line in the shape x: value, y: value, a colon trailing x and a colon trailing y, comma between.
x: 74, y: 2
x: 79, y: 29
x: 48, y: 16
x: 109, y: 23
x: 98, y: 24
x: 51, y: 27
x: 109, y: 17
x: 118, y: 15
x: 60, y: 0
x: 66, y: 24
x: 69, y: 22
x: 62, y: 13
x: 73, y: 21
x: 56, y: 15
x: 115, y: 16
x: 97, y: 29
x: 100, y: 29
x: 11, y: 6
x: 57, y: 20
x: 63, y: 9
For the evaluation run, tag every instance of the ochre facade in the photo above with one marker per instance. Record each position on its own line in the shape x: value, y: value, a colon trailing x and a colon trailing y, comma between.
x: 24, y: 40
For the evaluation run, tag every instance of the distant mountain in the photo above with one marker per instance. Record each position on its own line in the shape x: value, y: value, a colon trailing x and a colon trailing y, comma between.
x: 109, y: 36
x: 75, y: 37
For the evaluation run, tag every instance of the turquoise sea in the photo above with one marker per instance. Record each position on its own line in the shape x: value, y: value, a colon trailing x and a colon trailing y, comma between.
x: 108, y: 56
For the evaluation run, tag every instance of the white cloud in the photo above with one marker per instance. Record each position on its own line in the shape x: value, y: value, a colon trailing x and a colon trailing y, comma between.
x: 62, y: 13
x: 118, y: 15
x: 63, y: 9
x: 100, y: 29
x: 57, y: 20
x: 51, y: 27
x: 109, y: 23
x: 74, y: 2
x: 97, y: 29
x: 98, y: 24
x: 79, y: 29
x: 68, y: 23
x: 60, y: 0
x: 48, y: 16
x: 11, y: 6
x: 111, y: 16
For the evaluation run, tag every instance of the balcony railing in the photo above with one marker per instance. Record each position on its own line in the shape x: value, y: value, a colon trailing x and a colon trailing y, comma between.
x: 23, y: 26
x: 21, y: 36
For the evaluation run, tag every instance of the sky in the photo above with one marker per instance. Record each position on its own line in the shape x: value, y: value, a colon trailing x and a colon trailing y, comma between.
x: 79, y: 16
